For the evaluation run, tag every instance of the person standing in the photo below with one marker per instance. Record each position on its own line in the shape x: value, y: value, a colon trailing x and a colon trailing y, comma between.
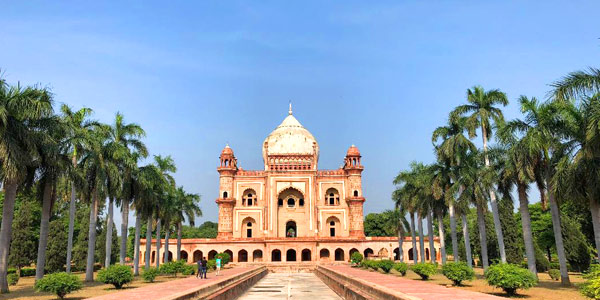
x: 199, y: 272
x: 204, y: 266
x: 218, y: 263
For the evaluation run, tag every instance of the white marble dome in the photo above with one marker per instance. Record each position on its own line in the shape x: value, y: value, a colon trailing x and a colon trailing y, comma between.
x: 290, y: 137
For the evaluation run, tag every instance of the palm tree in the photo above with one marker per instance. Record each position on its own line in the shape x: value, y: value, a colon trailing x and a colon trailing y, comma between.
x: 20, y: 110
x: 147, y: 182
x: 577, y: 84
x: 450, y: 152
x: 188, y: 208
x: 123, y: 139
x: 77, y: 130
x: 482, y: 106
x: 398, y: 221
x: 577, y: 176
x: 53, y: 164
x: 441, y: 183
x: 542, y: 138
x: 97, y: 169
x: 475, y: 180
x: 405, y: 197
x: 165, y: 166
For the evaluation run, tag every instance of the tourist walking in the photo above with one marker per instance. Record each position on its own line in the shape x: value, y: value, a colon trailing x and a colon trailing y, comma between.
x: 218, y: 263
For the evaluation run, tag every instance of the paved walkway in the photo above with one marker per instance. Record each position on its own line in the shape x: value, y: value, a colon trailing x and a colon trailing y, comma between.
x: 290, y: 286
x: 415, y: 288
x: 164, y: 289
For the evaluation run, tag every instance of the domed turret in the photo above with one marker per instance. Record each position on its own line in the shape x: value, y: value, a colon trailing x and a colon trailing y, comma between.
x: 353, y: 151
x: 290, y: 146
x: 227, y: 158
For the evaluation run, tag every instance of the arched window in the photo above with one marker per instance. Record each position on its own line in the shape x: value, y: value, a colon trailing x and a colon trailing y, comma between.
x: 249, y: 198
x: 301, y: 202
x: 333, y: 225
x: 290, y: 229
x: 332, y: 197
x: 291, y: 202
x: 355, y: 193
x: 224, y: 195
x: 248, y: 227
x: 279, y: 202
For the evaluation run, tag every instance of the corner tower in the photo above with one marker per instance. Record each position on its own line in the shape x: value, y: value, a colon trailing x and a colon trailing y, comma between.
x: 227, y: 169
x: 354, y: 168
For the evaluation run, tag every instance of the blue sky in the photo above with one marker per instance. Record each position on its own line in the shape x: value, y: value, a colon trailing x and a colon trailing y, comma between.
x: 381, y: 75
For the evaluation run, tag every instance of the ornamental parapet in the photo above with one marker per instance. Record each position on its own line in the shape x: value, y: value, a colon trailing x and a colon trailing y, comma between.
x: 330, y: 172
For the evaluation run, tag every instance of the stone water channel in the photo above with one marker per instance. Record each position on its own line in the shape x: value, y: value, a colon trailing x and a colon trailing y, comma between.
x: 290, y: 286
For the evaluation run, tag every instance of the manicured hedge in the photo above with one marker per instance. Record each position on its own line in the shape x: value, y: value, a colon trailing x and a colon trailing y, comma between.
x: 150, y: 274
x: 26, y: 272
x: 401, y: 268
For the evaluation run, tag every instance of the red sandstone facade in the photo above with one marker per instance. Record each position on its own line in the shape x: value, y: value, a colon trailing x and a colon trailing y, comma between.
x: 291, y: 210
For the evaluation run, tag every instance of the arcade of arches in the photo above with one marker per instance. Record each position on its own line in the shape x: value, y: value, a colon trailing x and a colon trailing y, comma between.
x: 290, y: 211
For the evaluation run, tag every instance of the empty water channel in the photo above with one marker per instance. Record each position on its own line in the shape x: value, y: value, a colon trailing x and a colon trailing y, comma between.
x: 289, y: 286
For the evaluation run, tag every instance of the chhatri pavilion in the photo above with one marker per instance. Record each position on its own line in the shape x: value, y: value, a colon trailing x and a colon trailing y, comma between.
x: 291, y: 210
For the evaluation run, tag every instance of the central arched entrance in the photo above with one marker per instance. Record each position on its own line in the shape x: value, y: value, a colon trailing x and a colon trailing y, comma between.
x: 290, y: 255
x: 290, y: 229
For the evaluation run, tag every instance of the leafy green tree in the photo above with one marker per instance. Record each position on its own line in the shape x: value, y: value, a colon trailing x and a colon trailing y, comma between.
x: 57, y: 250
x: 513, y: 240
x: 376, y: 224
x: 24, y: 241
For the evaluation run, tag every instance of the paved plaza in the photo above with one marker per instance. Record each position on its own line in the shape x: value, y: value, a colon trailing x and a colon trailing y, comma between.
x: 290, y: 286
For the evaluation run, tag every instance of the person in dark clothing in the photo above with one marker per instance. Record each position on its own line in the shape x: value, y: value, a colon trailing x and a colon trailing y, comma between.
x: 204, y: 266
x: 199, y: 272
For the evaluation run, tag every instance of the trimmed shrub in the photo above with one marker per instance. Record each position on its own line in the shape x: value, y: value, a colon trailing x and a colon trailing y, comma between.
x: 150, y: 274
x: 224, y: 258
x: 510, y: 278
x: 12, y: 278
x: 591, y: 288
x: 386, y: 265
x: 356, y: 258
x: 26, y: 272
x: 188, y: 270
x: 401, y: 268
x: 425, y: 270
x: 60, y: 284
x: 211, y: 265
x: 117, y: 275
x: 171, y: 268
x: 554, y: 274
x: 458, y: 272
x: 11, y: 271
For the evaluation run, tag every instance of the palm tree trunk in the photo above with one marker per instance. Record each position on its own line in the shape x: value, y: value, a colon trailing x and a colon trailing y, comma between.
x: 595, y: 210
x: 432, y: 252
x: 44, y: 225
x: 400, y: 243
x: 442, y: 237
x: 167, y: 233
x: 148, y: 242
x: 453, y: 232
x: 136, y: 247
x: 560, y: 247
x: 89, y: 268
x: 124, y: 225
x: 178, y: 241
x: 71, y: 228
x: 421, y: 238
x: 71, y: 219
x: 526, y: 224
x: 414, y: 238
x: 482, y: 237
x: 467, y: 240
x: 8, y: 210
x: 109, y: 229
x: 494, y: 203
x: 157, y: 243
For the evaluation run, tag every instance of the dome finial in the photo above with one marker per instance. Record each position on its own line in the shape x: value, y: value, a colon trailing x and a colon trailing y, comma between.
x: 290, y: 111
